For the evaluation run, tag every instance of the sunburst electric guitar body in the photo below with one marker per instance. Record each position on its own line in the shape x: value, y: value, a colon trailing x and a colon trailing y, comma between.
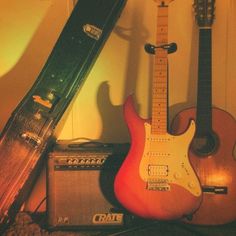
x: 156, y: 180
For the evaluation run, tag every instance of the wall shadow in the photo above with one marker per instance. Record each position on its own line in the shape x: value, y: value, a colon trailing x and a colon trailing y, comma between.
x: 113, y: 126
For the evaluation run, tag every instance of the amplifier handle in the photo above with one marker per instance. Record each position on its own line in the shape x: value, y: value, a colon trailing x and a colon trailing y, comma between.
x: 91, y: 144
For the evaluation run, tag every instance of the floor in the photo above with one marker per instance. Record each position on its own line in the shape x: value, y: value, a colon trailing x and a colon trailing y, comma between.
x: 27, y: 225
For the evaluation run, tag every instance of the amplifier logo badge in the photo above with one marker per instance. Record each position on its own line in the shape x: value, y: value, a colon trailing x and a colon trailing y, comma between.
x: 92, y: 31
x: 108, y: 218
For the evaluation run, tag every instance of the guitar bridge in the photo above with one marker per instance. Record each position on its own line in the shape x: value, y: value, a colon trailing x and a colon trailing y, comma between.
x: 158, y: 186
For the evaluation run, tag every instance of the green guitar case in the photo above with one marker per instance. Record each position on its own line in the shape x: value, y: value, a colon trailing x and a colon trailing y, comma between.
x: 28, y: 133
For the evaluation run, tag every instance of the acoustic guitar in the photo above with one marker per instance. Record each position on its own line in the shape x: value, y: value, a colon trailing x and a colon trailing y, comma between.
x: 30, y: 130
x: 156, y: 179
x: 211, y: 152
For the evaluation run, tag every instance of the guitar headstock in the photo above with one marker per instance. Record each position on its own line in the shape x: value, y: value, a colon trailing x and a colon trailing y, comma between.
x: 163, y: 3
x: 204, y: 10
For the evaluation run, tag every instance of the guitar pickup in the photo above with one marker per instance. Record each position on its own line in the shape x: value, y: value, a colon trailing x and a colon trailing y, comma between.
x: 158, y: 170
x: 215, y: 189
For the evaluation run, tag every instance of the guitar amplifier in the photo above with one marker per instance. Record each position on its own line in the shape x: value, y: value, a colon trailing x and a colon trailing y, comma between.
x: 80, y: 185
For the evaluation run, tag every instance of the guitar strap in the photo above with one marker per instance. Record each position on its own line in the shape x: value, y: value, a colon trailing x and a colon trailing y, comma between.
x: 29, y: 131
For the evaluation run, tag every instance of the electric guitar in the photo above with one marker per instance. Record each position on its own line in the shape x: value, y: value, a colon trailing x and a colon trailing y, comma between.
x: 211, y: 152
x: 156, y: 179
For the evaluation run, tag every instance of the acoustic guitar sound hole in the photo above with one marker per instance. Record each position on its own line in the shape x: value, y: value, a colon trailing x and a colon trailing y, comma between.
x: 205, y: 145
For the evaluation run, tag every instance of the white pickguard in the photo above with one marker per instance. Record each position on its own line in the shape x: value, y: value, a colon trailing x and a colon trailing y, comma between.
x: 165, y: 161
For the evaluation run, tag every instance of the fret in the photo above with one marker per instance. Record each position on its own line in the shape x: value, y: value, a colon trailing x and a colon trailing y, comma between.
x: 160, y: 115
x: 160, y: 78
x: 158, y: 74
x: 160, y: 124
x: 159, y: 104
x: 160, y: 83
x: 162, y: 12
x: 160, y: 112
x: 158, y: 130
x: 162, y: 40
x: 160, y: 121
x: 162, y: 28
x: 162, y: 21
x: 157, y: 91
x: 162, y: 100
x: 158, y: 94
x: 161, y: 53
x: 160, y: 68
x: 159, y: 109
x: 160, y: 90
x: 161, y: 61
x: 157, y: 97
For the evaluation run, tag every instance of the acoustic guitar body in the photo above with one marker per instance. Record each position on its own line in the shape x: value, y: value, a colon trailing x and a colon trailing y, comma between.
x: 211, y: 150
x: 168, y: 191
x: 216, y: 170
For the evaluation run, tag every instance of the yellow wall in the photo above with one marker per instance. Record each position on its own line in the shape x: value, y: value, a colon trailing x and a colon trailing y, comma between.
x: 28, y: 32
